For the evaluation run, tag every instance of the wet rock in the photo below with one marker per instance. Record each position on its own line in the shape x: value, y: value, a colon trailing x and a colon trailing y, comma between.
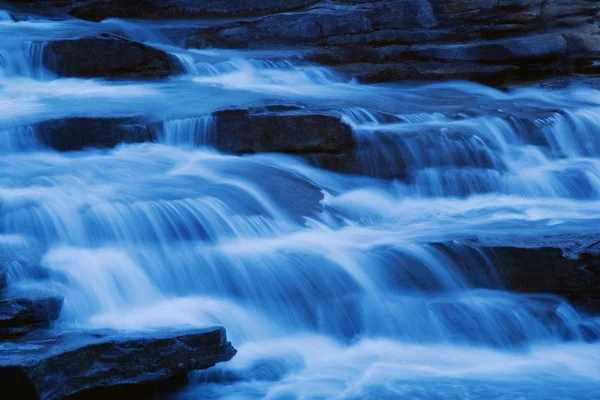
x: 3, y: 275
x: 19, y: 316
x: 546, y: 269
x: 565, y: 265
x: 99, y: 366
x: 398, y: 71
x: 108, y: 55
x: 392, y: 40
x: 99, y: 10
x: 257, y: 130
x: 76, y: 133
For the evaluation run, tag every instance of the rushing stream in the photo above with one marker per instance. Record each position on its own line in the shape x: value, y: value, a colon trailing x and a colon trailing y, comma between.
x: 328, y: 284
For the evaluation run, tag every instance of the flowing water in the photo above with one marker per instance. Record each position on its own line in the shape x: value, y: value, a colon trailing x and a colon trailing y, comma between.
x: 328, y: 284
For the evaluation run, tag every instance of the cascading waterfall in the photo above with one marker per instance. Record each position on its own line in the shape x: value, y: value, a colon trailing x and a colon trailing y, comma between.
x: 18, y: 139
x: 195, y: 131
x: 330, y: 285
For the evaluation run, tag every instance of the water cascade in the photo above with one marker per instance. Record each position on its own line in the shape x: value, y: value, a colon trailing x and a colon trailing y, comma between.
x: 330, y: 285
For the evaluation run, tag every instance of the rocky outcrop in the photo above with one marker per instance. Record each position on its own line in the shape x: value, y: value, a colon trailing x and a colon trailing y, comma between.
x: 22, y: 315
x: 284, y: 129
x: 79, y: 132
x: 82, y: 366
x: 494, y: 41
x: 110, y: 56
x: 429, y: 39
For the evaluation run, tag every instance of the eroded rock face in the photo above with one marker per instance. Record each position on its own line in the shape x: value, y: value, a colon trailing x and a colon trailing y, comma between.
x: 110, y: 56
x: 81, y: 366
x: 76, y: 133
x: 296, y: 131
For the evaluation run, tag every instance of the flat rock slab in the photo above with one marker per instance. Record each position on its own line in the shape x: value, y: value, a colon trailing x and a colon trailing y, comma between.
x: 85, y: 366
x: 110, y: 56
x: 79, y: 132
x: 286, y: 130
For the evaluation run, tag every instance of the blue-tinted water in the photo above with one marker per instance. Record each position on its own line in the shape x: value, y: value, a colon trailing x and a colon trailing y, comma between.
x: 327, y: 284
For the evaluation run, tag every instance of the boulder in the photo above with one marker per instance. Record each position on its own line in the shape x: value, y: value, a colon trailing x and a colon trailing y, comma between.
x: 19, y: 316
x: 92, y: 366
x: 110, y: 56
x: 79, y: 132
x: 295, y: 131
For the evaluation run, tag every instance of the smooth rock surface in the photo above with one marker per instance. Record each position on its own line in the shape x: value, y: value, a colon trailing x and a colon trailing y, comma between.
x: 90, y: 366
x: 80, y: 132
x: 296, y: 131
x: 110, y: 56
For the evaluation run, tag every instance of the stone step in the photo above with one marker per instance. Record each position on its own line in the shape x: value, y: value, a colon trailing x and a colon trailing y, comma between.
x: 91, y: 366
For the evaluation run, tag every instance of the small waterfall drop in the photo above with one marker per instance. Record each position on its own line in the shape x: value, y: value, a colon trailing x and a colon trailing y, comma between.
x: 194, y: 132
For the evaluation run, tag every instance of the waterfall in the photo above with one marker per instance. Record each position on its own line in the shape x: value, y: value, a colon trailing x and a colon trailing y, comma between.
x: 18, y: 139
x: 36, y: 52
x: 196, y: 131
x: 382, y: 280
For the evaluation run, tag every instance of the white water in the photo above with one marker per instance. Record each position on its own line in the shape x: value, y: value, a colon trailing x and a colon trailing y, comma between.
x: 327, y: 284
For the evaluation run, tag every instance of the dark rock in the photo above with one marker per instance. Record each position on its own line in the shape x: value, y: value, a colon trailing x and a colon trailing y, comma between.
x: 19, y: 316
x: 76, y: 133
x: 102, y: 9
x: 565, y: 265
x: 399, y: 71
x: 391, y: 40
x: 108, y: 55
x: 548, y: 270
x: 3, y: 274
x: 95, y: 366
x: 259, y: 130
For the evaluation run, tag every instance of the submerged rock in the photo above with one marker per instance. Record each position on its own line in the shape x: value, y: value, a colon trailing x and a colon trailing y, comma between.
x: 80, y: 132
x: 19, y: 316
x: 81, y: 366
x: 108, y: 55
x: 268, y: 129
